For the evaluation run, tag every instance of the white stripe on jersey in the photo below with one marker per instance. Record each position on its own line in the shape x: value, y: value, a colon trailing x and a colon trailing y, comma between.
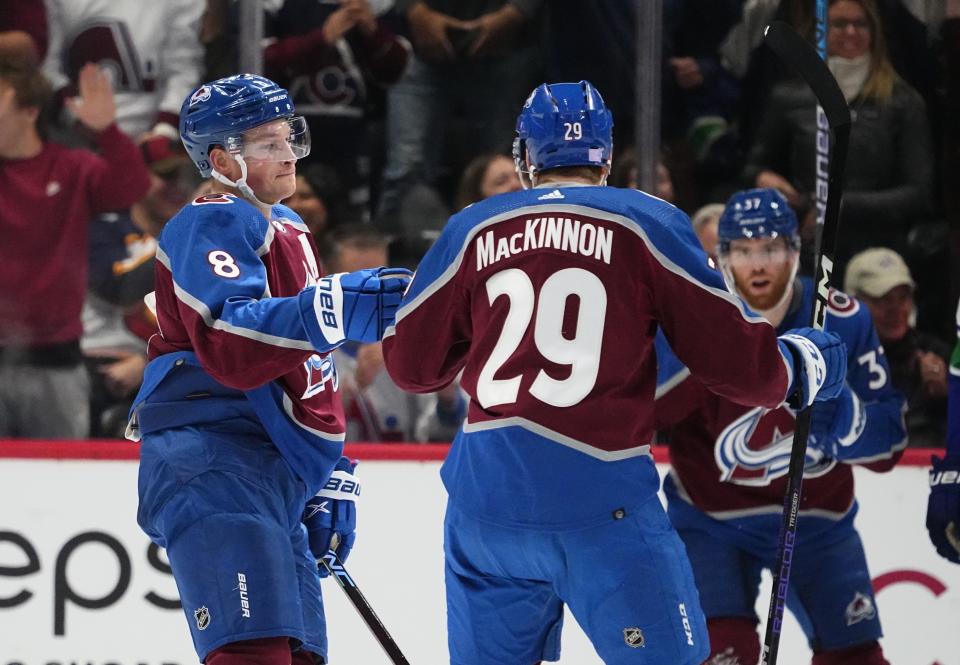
x: 557, y: 437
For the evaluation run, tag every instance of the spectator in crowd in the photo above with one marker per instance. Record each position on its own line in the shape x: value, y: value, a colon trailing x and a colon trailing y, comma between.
x: 151, y: 50
x: 890, y: 165
x: 485, y: 176
x: 472, y: 64
x: 376, y: 409
x: 699, y: 97
x: 318, y: 199
x: 23, y: 28
x: 918, y: 362
x: 336, y: 58
x: 50, y: 193
x: 116, y: 321
x: 626, y: 173
x: 706, y: 223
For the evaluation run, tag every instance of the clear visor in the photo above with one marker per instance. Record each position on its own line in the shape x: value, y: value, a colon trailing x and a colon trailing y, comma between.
x: 283, y: 140
x: 747, y: 253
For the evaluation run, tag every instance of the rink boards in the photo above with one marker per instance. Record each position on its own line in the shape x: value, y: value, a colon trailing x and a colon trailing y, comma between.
x: 81, y: 585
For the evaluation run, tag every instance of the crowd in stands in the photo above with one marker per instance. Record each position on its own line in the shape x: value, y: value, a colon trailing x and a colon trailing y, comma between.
x: 411, y: 105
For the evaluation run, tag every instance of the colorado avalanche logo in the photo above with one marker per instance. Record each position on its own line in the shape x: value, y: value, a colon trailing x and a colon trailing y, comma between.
x: 861, y: 608
x: 320, y: 371
x: 755, y: 449
x: 201, y: 95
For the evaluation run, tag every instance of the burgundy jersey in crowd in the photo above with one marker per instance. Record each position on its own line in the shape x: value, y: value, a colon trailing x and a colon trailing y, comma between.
x: 46, y: 205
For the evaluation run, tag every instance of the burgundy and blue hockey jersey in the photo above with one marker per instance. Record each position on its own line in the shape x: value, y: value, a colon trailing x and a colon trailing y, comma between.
x: 548, y: 301
x: 239, y: 335
x: 730, y: 461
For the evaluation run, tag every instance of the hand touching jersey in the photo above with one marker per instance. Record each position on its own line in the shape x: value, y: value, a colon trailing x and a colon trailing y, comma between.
x: 94, y: 108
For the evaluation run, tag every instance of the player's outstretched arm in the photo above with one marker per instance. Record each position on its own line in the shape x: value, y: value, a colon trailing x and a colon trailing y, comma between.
x: 357, y: 306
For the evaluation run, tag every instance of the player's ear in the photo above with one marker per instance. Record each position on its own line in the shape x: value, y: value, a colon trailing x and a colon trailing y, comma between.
x: 224, y: 163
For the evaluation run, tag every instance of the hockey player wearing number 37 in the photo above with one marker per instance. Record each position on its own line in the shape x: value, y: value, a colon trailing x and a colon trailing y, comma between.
x: 239, y: 416
x: 729, y: 462
x: 548, y: 301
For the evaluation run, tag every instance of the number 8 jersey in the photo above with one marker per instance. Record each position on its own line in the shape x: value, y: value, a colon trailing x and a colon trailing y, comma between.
x: 238, y: 334
x: 548, y: 301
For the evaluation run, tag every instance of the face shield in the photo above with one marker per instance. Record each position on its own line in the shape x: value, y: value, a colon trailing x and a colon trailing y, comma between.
x: 282, y: 140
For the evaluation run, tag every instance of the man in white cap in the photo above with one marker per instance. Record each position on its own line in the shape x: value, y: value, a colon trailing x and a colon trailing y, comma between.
x: 880, y: 278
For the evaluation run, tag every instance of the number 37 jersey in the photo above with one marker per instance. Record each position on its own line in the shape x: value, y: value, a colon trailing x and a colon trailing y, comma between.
x: 548, y: 302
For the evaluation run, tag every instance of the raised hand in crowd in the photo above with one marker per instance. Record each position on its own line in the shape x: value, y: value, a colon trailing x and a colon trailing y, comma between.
x: 94, y: 107
x: 362, y: 14
x: 495, y: 32
x: 687, y: 72
x: 351, y: 14
x: 933, y: 373
x: 429, y: 31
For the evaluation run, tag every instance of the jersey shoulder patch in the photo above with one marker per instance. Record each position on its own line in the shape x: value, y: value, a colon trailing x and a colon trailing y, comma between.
x: 841, y: 305
x: 214, y: 199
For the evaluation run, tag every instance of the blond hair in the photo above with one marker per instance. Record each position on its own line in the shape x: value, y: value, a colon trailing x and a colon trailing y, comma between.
x: 882, y: 78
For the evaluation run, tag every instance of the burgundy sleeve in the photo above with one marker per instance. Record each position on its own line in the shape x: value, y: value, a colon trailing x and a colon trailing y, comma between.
x: 119, y: 177
x: 732, y: 351
x: 442, y: 321
x: 297, y: 54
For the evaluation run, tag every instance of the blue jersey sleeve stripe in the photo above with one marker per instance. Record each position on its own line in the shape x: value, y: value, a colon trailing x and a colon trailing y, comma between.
x: 671, y: 382
x: 219, y: 324
x: 435, y: 283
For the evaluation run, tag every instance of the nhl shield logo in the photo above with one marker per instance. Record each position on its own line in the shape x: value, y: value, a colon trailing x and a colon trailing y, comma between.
x: 202, y: 616
x: 633, y: 637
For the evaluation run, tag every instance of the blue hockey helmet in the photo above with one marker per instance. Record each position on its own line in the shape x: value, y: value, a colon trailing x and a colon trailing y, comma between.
x: 757, y: 213
x: 217, y: 114
x: 563, y: 124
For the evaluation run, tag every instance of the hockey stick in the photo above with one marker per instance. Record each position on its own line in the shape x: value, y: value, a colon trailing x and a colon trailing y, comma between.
x: 334, y: 566
x: 832, y: 114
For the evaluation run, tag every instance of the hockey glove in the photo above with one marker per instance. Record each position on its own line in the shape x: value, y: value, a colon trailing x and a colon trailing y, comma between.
x: 943, y: 507
x: 819, y: 363
x: 837, y: 424
x: 359, y: 305
x: 333, y: 511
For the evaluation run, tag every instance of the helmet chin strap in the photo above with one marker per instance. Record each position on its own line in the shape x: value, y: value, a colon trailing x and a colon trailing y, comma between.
x: 240, y: 183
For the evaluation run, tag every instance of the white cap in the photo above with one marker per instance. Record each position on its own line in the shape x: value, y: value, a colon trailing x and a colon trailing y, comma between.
x: 875, y: 271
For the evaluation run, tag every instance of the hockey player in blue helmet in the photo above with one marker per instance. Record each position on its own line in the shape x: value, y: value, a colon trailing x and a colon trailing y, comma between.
x: 248, y: 118
x: 561, y: 125
x: 729, y: 462
x: 242, y: 474
x: 758, y: 245
x: 547, y: 301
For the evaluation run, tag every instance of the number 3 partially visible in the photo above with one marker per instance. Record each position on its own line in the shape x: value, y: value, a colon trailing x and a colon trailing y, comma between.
x: 581, y: 352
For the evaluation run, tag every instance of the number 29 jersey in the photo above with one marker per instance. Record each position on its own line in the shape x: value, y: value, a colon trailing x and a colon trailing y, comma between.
x: 548, y: 301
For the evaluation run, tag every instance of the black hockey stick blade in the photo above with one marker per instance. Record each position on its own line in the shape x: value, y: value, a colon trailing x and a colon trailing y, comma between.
x: 334, y: 566
x: 794, y: 50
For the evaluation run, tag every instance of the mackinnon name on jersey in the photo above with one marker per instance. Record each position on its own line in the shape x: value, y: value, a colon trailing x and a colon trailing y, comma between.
x: 563, y: 233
